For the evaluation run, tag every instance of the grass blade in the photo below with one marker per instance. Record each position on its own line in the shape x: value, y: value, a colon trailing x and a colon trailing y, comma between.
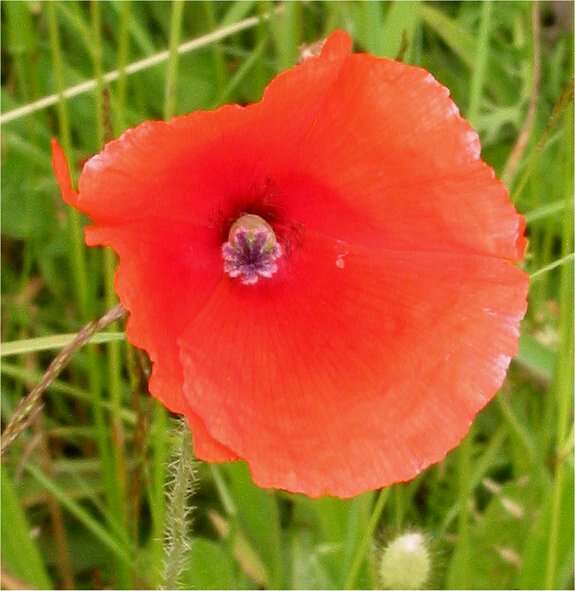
x: 57, y: 341
x: 20, y: 555
x: 83, y: 516
x: 134, y: 67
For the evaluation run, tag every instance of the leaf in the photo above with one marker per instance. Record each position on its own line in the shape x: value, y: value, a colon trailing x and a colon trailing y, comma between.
x: 533, y: 572
x: 258, y: 517
x: 115, y: 546
x: 536, y: 357
x: 247, y: 557
x: 19, y: 28
x: 496, y: 540
x: 209, y: 567
x: 26, y: 202
x: 328, y: 518
x: 20, y: 555
x: 400, y: 21
x: 459, y: 40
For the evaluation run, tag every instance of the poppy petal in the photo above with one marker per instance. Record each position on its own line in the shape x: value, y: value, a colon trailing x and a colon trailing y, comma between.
x: 391, y: 316
x: 194, y: 166
x: 156, y: 260
x: 62, y: 171
x: 395, y: 161
x: 363, y: 377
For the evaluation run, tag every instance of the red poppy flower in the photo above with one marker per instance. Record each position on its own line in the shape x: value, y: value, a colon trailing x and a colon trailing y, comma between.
x: 324, y: 280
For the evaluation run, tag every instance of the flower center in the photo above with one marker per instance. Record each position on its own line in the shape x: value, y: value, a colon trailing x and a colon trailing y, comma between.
x: 251, y: 250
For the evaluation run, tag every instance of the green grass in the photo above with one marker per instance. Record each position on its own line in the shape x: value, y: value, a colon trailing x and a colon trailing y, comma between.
x: 83, y: 501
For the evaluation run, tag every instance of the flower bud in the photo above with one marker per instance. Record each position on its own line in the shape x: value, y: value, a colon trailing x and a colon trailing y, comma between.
x: 405, y: 562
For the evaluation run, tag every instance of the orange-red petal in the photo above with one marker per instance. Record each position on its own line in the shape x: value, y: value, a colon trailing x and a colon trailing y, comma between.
x: 165, y: 277
x: 358, y: 368
x: 395, y: 160
x: 62, y: 172
x: 396, y: 306
x: 150, y: 255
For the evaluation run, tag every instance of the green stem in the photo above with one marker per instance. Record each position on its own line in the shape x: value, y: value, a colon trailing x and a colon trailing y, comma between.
x: 465, y: 490
x: 363, y: 546
x: 217, y: 53
x: 564, y: 384
x: 172, y: 68
x: 77, y: 255
x: 242, y: 72
x: 123, y: 54
x: 481, y: 58
x: 553, y: 265
x: 223, y: 491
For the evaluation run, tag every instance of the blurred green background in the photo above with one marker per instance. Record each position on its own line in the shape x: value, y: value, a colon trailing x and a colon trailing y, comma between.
x: 83, y: 489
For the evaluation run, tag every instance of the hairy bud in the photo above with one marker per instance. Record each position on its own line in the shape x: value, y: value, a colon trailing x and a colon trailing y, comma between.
x: 405, y: 562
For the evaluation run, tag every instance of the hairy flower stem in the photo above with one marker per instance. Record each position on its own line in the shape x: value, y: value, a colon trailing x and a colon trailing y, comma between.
x: 31, y: 405
x: 179, y: 509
